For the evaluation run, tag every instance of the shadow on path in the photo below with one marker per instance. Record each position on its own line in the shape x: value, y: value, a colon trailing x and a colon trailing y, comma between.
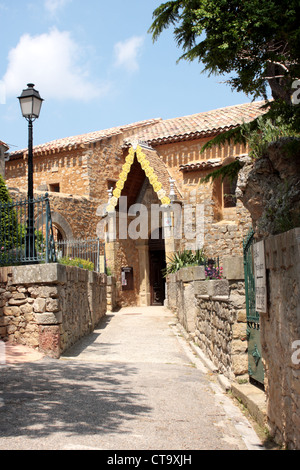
x: 50, y: 397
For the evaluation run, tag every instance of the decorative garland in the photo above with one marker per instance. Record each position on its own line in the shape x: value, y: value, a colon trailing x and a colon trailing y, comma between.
x: 149, y: 171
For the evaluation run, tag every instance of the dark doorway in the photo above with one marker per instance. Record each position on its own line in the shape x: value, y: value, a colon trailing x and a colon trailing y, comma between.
x: 157, y: 261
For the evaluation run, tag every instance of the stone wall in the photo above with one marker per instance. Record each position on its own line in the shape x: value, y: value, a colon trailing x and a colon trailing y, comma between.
x: 280, y: 330
x: 224, y: 228
x: 65, y: 168
x: 50, y: 307
x: 269, y: 187
x: 111, y: 294
x: 74, y: 216
x: 214, y: 314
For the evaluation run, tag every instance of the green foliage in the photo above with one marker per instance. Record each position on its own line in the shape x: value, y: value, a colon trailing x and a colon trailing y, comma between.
x: 257, y: 41
x: 8, y: 220
x: 267, y: 132
x: 184, y: 259
x: 229, y: 171
x: 258, y: 134
x: 80, y: 263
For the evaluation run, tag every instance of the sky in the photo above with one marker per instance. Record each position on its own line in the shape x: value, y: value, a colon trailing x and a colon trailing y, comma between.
x: 95, y: 65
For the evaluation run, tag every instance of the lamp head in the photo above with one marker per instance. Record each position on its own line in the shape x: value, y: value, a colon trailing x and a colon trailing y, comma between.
x: 30, y: 102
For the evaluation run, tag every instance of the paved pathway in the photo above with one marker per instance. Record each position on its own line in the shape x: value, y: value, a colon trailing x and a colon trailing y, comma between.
x: 133, y: 384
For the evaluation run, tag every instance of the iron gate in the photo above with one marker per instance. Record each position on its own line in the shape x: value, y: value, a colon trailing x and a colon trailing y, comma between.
x: 255, y: 365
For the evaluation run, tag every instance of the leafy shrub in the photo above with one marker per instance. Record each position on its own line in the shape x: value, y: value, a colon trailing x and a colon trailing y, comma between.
x: 184, y: 259
x: 80, y: 263
x: 8, y: 219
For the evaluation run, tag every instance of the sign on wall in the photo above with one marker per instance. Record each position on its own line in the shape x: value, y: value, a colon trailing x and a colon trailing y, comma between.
x: 260, y: 277
x: 127, y: 278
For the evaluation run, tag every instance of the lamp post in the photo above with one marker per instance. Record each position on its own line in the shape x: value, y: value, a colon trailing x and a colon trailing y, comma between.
x: 30, y: 102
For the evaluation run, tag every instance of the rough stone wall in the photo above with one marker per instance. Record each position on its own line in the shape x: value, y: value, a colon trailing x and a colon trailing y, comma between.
x: 280, y: 330
x: 224, y: 229
x: 269, y: 188
x: 50, y: 307
x: 224, y: 238
x: 181, y: 153
x: 111, y: 294
x: 81, y: 171
x: 105, y: 163
x: 214, y: 313
x: 69, y: 168
x: 221, y: 326
x: 75, y: 216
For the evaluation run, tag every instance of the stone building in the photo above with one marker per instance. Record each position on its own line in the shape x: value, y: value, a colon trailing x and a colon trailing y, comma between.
x: 138, y: 188
x: 3, y: 156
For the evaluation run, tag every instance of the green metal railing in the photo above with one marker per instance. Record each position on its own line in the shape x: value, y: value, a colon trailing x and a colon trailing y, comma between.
x: 90, y: 250
x: 14, y: 240
x: 252, y: 315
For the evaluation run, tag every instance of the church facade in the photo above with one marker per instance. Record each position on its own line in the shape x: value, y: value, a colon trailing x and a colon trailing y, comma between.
x: 138, y: 188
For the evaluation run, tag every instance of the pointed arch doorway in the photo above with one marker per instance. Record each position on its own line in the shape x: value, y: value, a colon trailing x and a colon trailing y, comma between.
x: 157, y: 262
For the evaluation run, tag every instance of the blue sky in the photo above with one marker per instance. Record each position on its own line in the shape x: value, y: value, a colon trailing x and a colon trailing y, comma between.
x: 96, y: 67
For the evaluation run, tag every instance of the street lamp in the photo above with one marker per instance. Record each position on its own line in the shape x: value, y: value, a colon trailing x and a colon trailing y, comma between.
x: 30, y: 102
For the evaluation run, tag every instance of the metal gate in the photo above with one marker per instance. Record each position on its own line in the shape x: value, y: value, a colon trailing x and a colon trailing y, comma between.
x: 255, y: 365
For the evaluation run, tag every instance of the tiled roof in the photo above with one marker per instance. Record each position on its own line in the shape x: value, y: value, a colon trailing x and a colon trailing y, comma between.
x: 201, y: 124
x: 204, y: 165
x: 77, y: 141
x: 159, y: 131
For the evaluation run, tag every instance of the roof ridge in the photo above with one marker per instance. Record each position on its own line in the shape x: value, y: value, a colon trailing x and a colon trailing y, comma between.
x: 217, y: 109
x: 90, y: 136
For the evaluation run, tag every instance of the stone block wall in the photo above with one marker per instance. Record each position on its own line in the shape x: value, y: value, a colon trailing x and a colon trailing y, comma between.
x: 50, y: 307
x: 221, y: 326
x: 223, y: 235
x: 280, y: 330
x: 213, y: 312
x: 111, y: 294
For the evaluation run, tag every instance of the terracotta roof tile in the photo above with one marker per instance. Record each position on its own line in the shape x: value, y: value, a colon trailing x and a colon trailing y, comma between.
x: 201, y: 124
x: 156, y: 131
x: 68, y: 143
x: 204, y: 165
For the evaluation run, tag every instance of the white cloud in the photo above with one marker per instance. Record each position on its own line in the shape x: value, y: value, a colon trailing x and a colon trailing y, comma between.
x: 51, y: 62
x: 52, y: 6
x: 127, y: 53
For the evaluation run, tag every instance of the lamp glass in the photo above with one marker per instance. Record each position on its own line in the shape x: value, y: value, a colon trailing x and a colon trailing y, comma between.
x: 36, y: 106
x: 30, y: 102
x: 26, y: 106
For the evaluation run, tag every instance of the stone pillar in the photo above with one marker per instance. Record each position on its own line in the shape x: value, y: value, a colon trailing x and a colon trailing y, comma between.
x: 3, y: 149
x: 144, y: 296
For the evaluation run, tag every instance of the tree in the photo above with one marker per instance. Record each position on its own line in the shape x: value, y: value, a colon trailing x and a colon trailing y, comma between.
x: 258, y: 41
x: 8, y: 220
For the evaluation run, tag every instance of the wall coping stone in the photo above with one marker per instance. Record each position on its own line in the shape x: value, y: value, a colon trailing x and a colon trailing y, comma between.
x: 190, y: 274
x: 40, y: 273
x: 53, y: 273
x: 111, y: 280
